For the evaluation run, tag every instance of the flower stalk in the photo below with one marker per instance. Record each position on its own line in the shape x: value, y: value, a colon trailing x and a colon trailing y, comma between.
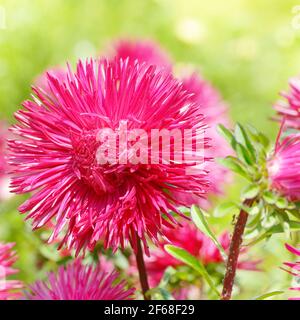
x: 234, y: 251
x: 142, y: 270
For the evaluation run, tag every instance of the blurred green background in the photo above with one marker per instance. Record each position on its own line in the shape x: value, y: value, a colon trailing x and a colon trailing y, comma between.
x: 247, y: 49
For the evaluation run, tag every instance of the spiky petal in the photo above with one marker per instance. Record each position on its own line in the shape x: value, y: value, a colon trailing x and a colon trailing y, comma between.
x: 79, y: 282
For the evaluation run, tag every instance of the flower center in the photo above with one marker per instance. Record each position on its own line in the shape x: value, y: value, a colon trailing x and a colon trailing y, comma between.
x: 102, y: 178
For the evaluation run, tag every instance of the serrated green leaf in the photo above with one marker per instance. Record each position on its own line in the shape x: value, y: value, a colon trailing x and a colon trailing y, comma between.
x: 268, y: 295
x: 191, y: 261
x: 202, y: 225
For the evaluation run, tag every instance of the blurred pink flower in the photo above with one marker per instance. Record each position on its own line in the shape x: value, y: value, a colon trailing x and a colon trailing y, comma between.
x: 143, y: 51
x: 289, y: 109
x: 42, y: 80
x: 294, y: 267
x: 56, y: 155
x: 283, y: 167
x: 9, y: 289
x: 79, y: 282
x: 4, y: 178
x: 215, y: 112
x: 196, y: 243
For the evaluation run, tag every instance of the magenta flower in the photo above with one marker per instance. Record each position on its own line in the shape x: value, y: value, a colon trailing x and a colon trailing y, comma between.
x: 294, y: 267
x: 56, y: 155
x: 8, y: 288
x: 4, y: 179
x: 215, y: 112
x: 79, y: 282
x: 283, y: 167
x: 289, y: 109
x: 143, y: 51
x: 196, y: 243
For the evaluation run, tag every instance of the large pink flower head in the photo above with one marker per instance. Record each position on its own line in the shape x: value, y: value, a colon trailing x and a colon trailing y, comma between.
x: 283, y: 167
x: 143, y: 51
x: 79, y: 282
x: 215, y: 112
x: 294, y: 267
x: 196, y: 243
x: 8, y: 288
x: 89, y: 193
x: 289, y: 109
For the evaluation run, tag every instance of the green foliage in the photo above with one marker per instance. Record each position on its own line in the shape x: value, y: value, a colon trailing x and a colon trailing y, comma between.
x: 193, y: 262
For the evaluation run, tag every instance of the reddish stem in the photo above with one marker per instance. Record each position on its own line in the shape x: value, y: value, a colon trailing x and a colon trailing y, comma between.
x: 234, y: 251
x: 142, y: 270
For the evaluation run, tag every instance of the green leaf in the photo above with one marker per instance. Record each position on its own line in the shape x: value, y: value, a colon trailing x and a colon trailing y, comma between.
x: 242, y: 137
x: 225, y: 208
x: 166, y: 295
x: 270, y: 197
x: 250, y: 191
x: 227, y: 134
x: 278, y: 228
x: 258, y: 136
x: 202, y: 225
x: 191, y: 261
x: 243, y: 154
x: 234, y: 165
x: 282, y: 203
x: 268, y: 295
x: 170, y: 271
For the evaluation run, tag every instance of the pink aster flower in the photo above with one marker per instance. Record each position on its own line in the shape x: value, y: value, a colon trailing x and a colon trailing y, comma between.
x: 283, y: 167
x: 4, y: 179
x: 215, y: 112
x: 80, y: 282
x: 294, y: 267
x: 143, y: 51
x: 56, y: 155
x: 196, y: 243
x: 289, y: 109
x: 8, y: 288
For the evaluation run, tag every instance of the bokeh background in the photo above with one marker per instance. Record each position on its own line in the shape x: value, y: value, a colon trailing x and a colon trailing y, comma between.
x: 247, y: 49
